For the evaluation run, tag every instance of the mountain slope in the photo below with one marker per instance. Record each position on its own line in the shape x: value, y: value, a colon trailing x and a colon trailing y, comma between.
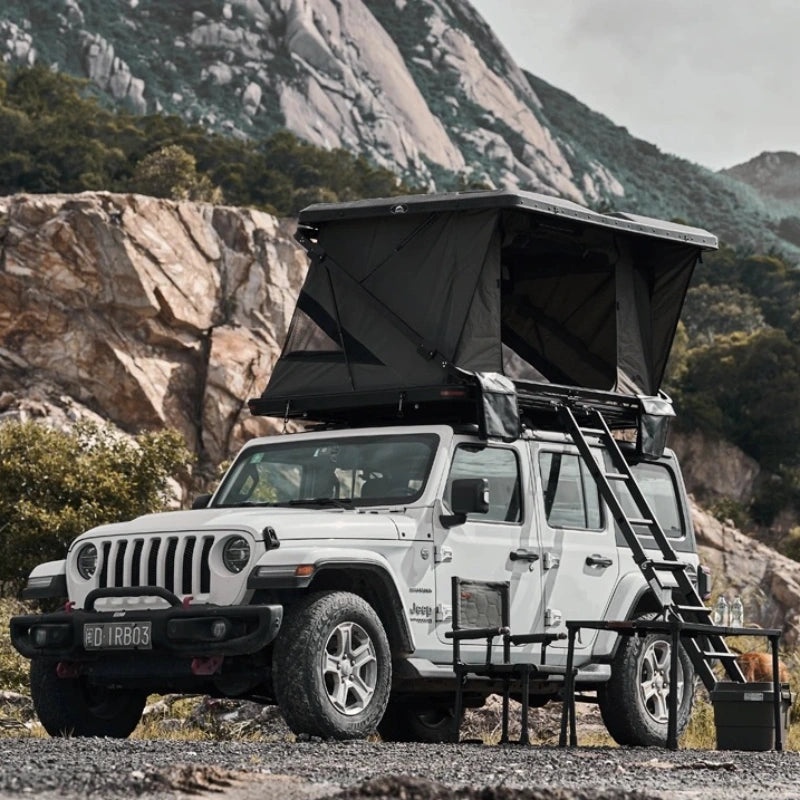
x: 422, y: 87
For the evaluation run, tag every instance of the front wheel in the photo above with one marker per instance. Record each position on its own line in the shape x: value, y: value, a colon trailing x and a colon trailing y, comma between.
x: 413, y: 720
x: 634, y: 703
x: 332, y: 667
x: 75, y: 707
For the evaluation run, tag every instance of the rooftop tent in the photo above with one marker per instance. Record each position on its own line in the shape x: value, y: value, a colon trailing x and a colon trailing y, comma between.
x: 424, y: 293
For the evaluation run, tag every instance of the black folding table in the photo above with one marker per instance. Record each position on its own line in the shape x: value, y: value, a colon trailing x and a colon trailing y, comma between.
x: 677, y: 629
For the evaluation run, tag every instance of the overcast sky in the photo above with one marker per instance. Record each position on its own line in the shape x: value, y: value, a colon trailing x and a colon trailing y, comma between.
x: 714, y: 81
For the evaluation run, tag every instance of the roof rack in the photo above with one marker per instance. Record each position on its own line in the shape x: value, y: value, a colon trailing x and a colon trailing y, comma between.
x: 538, y: 404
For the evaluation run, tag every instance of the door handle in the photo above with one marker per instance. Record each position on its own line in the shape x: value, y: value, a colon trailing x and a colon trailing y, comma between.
x: 521, y: 554
x: 596, y: 560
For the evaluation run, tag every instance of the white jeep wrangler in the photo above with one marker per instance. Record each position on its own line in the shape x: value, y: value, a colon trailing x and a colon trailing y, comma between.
x: 318, y: 576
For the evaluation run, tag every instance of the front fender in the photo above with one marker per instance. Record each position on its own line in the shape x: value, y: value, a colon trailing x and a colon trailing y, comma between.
x: 301, y: 567
x: 48, y: 580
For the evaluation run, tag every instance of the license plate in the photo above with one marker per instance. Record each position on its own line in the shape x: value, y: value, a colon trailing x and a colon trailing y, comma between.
x: 117, y: 636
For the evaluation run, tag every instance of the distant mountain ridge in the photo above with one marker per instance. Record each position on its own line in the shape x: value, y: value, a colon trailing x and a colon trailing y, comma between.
x: 422, y: 87
x: 771, y: 175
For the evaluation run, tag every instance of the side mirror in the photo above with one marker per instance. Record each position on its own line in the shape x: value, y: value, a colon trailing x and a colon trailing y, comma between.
x: 201, y: 501
x: 467, y: 496
x: 470, y: 496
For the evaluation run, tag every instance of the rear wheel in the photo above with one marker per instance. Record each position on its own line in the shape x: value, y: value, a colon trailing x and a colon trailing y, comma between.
x: 634, y: 703
x: 414, y: 720
x: 76, y: 707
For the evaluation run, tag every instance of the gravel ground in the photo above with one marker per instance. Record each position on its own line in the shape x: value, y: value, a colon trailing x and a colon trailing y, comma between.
x: 112, y: 768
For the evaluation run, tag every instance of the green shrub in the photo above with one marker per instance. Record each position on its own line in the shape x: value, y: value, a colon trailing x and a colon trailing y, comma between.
x: 55, y: 485
x: 13, y: 667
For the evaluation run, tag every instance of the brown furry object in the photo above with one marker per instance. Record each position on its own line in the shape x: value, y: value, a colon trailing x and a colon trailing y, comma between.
x: 758, y: 667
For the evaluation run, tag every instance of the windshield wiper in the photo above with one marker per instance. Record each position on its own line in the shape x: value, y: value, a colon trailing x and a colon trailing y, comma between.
x: 337, y: 502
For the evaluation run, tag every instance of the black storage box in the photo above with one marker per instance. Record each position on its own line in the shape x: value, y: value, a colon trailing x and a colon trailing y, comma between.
x: 744, y: 715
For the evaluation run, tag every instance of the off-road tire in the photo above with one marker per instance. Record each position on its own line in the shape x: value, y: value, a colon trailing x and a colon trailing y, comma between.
x: 409, y: 720
x: 312, y: 628
x: 630, y: 718
x: 74, y: 707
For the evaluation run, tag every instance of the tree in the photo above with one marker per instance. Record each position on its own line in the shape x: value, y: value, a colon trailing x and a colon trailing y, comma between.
x: 745, y: 389
x: 172, y: 172
x: 712, y: 311
x: 55, y: 485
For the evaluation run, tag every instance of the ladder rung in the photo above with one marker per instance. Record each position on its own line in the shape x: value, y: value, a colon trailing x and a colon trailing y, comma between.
x: 696, y: 609
x: 592, y: 431
x: 616, y: 476
x: 720, y: 655
x: 642, y: 521
x: 675, y: 566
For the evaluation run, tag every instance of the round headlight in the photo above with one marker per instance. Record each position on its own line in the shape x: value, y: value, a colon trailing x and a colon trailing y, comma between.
x: 235, y: 554
x: 87, y: 561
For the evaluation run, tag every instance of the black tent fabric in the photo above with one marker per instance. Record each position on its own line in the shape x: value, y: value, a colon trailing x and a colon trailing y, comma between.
x: 428, y: 290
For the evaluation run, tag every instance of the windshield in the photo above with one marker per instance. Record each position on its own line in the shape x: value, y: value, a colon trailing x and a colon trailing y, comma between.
x: 346, y: 472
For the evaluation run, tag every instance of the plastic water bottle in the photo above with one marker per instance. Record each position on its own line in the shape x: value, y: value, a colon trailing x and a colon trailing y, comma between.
x: 720, y: 615
x: 737, y: 613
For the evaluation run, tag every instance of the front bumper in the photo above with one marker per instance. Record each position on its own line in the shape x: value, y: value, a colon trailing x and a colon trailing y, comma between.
x: 181, y: 630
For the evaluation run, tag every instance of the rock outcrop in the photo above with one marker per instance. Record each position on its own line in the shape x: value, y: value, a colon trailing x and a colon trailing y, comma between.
x: 714, y: 469
x: 110, y: 73
x: 771, y: 174
x: 148, y: 312
x: 768, y: 582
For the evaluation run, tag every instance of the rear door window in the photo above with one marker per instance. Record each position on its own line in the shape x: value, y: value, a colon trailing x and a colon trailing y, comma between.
x: 658, y: 487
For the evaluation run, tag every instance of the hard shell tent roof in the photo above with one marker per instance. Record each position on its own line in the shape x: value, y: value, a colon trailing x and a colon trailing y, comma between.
x: 409, y: 293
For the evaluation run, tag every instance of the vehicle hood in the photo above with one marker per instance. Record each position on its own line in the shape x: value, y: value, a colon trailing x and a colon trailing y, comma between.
x: 288, y: 523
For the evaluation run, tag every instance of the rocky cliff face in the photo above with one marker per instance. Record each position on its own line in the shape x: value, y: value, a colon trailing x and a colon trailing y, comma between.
x: 421, y: 87
x: 714, y: 469
x: 147, y: 312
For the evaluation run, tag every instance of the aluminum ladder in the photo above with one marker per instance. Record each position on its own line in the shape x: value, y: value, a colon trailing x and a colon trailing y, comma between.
x: 682, y: 602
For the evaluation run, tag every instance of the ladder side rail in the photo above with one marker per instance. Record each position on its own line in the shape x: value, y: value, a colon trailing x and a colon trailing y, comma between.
x: 700, y: 663
x: 617, y: 512
x: 607, y: 493
x: 620, y: 463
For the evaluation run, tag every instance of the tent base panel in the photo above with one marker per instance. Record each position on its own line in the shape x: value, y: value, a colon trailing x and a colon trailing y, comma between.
x: 446, y: 404
x: 465, y: 404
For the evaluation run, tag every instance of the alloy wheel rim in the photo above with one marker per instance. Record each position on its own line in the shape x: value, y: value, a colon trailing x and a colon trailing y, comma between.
x: 654, y: 685
x: 349, y: 668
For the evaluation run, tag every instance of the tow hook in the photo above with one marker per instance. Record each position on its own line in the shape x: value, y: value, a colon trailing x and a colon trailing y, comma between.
x: 67, y: 670
x: 207, y: 666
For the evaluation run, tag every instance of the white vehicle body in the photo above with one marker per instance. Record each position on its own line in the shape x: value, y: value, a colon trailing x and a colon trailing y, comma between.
x: 576, y: 566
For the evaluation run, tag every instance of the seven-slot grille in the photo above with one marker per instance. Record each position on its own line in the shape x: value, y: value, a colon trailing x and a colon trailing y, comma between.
x: 178, y: 563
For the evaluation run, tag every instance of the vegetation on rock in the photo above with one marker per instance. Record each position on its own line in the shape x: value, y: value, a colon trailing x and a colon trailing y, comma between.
x: 735, y: 370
